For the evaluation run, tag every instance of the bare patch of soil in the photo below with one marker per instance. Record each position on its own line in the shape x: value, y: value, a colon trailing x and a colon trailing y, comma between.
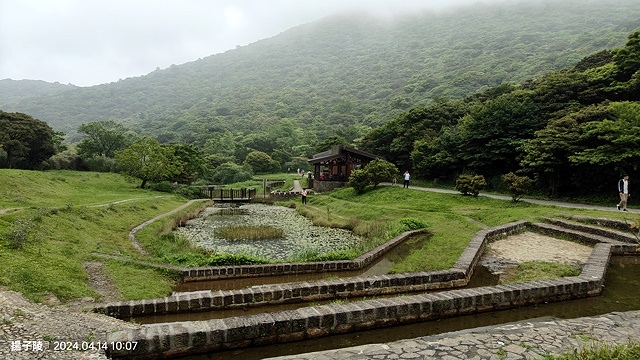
x: 505, y: 254
x: 530, y: 246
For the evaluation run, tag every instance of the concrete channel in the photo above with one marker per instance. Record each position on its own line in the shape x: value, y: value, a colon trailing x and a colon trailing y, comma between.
x: 184, y: 338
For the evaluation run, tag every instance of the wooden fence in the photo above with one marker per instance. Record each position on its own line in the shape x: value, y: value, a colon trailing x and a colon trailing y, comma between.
x: 230, y: 195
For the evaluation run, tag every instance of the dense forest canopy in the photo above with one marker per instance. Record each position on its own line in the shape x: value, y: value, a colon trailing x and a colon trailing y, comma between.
x: 343, y: 75
x: 574, y: 130
x: 486, y: 89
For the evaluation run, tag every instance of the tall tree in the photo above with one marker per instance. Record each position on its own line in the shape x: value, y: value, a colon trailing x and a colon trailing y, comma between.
x: 26, y: 141
x: 147, y: 160
x: 492, y: 135
x: 103, y: 138
x: 613, y: 142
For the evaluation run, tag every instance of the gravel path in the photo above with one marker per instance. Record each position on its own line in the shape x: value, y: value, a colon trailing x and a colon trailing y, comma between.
x: 35, y: 331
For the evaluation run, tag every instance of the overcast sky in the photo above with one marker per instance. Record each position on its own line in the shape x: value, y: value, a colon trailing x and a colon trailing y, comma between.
x: 88, y: 42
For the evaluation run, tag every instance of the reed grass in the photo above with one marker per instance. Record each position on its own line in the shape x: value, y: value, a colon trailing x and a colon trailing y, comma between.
x: 261, y: 232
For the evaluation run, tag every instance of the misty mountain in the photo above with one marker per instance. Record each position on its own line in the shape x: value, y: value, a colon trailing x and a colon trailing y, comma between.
x: 343, y: 75
x: 13, y: 91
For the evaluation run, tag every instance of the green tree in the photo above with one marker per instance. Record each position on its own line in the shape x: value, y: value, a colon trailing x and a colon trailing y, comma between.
x: 103, y: 138
x: 193, y: 161
x: 25, y: 141
x: 147, y: 160
x: 229, y: 173
x: 260, y: 162
x: 613, y: 143
x: 329, y: 142
x: 380, y: 170
x: 547, y: 154
x: 491, y: 137
x: 628, y: 58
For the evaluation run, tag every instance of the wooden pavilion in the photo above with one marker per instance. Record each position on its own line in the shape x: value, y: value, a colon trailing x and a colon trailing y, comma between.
x: 332, y: 168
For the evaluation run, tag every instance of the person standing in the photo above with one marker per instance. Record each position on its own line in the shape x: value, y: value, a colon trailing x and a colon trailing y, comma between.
x: 304, y: 196
x: 623, y: 190
x: 406, y: 179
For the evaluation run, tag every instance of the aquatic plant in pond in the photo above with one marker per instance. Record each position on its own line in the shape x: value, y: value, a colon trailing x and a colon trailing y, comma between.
x: 298, y: 232
x: 250, y: 232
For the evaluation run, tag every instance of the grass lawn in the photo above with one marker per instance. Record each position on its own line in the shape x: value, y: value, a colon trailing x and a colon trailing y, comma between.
x: 36, y: 189
x: 46, y: 242
x: 44, y: 245
x: 453, y: 219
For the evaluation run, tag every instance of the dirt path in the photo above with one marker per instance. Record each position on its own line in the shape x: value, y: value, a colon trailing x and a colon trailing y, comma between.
x: 101, y: 283
x: 132, y: 233
x: 7, y: 210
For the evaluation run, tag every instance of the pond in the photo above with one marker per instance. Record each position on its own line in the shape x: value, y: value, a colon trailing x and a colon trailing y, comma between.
x: 300, y: 235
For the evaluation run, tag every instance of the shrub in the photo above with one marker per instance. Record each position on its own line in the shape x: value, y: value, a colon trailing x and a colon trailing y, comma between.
x: 101, y: 164
x: 359, y: 180
x: 21, y: 233
x: 380, y: 170
x: 190, y: 192
x: 163, y: 186
x: 517, y: 185
x: 413, y: 224
x: 470, y: 185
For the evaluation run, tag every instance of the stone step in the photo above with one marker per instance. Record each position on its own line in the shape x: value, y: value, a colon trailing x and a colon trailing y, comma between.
x: 606, y: 229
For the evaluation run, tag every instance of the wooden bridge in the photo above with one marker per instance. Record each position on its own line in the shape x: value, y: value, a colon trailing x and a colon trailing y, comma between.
x: 227, y: 195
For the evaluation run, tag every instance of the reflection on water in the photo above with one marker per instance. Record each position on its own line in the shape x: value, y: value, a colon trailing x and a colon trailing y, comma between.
x: 621, y: 293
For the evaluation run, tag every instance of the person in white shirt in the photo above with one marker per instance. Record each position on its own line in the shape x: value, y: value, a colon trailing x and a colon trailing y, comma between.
x: 623, y: 189
x: 406, y: 179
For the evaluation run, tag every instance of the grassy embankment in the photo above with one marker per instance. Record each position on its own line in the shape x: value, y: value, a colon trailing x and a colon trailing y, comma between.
x: 453, y: 219
x: 67, y: 216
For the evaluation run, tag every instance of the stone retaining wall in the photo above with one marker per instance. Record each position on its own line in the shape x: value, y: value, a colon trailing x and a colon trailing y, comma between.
x: 457, y: 276
x: 325, y: 186
x: 179, y: 339
x: 223, y: 272
x: 279, y: 195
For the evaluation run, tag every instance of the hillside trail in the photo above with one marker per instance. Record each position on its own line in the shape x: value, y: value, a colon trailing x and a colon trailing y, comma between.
x: 7, y: 210
x: 532, y: 201
x: 132, y: 233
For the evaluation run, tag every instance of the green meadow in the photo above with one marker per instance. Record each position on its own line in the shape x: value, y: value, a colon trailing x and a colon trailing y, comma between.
x: 59, y: 220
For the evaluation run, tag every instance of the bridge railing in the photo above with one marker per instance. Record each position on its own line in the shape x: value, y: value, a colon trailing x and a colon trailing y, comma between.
x: 227, y: 194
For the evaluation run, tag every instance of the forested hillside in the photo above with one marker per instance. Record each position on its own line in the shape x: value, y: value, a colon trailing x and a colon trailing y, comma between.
x: 341, y: 75
x: 575, y: 130
x: 13, y: 91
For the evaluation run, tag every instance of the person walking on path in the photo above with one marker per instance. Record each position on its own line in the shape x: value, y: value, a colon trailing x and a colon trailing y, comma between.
x: 623, y: 190
x: 304, y: 196
x: 406, y: 179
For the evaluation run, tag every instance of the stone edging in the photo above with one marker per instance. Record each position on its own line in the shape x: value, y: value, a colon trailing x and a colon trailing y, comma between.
x: 179, y: 339
x: 223, y: 272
